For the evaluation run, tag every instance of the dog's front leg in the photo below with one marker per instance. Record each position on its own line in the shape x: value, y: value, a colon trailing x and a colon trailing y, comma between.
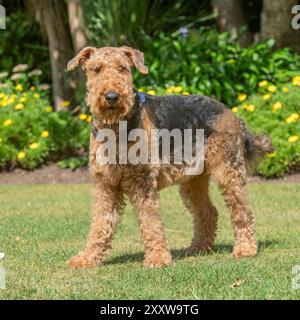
x: 107, y: 202
x: 146, y: 205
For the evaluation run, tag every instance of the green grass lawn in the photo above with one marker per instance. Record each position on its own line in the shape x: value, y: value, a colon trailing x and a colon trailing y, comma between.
x: 42, y: 226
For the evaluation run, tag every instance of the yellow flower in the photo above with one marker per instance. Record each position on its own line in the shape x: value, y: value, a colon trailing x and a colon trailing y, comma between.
x: 295, y: 116
x: 19, y: 106
x: 169, y: 90
x: 293, y: 138
x: 177, y: 89
x: 37, y: 95
x: 185, y: 93
x: 292, y: 118
x: 272, y: 155
x: 32, y: 88
x: 89, y: 119
x: 153, y: 92
x: 3, y: 103
x: 21, y: 155
x: 242, y: 97
x: 251, y: 108
x: 272, y: 88
x: 141, y: 89
x: 45, y: 134
x: 23, y: 99
x: 296, y: 81
x: 7, y: 122
x: 11, y: 100
x: 19, y: 87
x: 266, y: 97
x: 277, y: 106
x: 289, y: 120
x: 262, y: 83
x: 83, y: 117
x: 235, y: 109
x: 34, y: 145
x: 49, y: 109
x: 285, y: 89
x: 2, y: 95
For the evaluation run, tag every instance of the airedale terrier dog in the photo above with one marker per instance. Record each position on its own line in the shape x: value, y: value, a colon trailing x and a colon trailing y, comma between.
x: 229, y: 149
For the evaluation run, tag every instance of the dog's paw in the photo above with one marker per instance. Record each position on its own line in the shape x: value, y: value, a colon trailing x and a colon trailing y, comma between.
x: 245, y: 250
x: 158, y: 259
x: 196, y: 250
x: 82, y: 261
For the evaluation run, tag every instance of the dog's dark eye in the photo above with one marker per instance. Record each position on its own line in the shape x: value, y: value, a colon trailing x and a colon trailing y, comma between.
x: 121, y: 68
x: 97, y: 69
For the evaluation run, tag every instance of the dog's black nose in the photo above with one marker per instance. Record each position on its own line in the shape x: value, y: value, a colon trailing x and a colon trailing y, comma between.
x: 111, y: 97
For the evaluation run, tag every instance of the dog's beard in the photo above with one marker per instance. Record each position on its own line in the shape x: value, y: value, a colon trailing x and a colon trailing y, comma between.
x: 112, y: 114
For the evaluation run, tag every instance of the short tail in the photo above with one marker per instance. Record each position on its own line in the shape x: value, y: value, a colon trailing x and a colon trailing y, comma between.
x: 256, y: 147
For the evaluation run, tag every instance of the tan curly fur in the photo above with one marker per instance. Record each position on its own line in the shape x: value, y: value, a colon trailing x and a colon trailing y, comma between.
x: 225, y: 161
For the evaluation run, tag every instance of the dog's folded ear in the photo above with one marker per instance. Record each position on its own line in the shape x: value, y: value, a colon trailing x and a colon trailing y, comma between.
x: 136, y: 58
x: 82, y: 56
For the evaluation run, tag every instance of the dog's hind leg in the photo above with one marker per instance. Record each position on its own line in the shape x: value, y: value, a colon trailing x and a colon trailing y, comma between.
x: 228, y: 167
x: 194, y: 193
x: 242, y: 219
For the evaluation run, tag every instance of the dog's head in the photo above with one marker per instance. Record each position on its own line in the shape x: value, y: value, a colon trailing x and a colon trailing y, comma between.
x: 110, y: 93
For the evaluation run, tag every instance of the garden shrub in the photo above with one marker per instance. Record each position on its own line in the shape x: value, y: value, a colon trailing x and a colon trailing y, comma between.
x: 275, y: 110
x: 30, y: 132
x: 209, y: 63
x: 23, y: 42
x: 74, y: 162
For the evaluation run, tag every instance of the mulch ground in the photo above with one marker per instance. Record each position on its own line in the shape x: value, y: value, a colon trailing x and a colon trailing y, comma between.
x: 51, y: 174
